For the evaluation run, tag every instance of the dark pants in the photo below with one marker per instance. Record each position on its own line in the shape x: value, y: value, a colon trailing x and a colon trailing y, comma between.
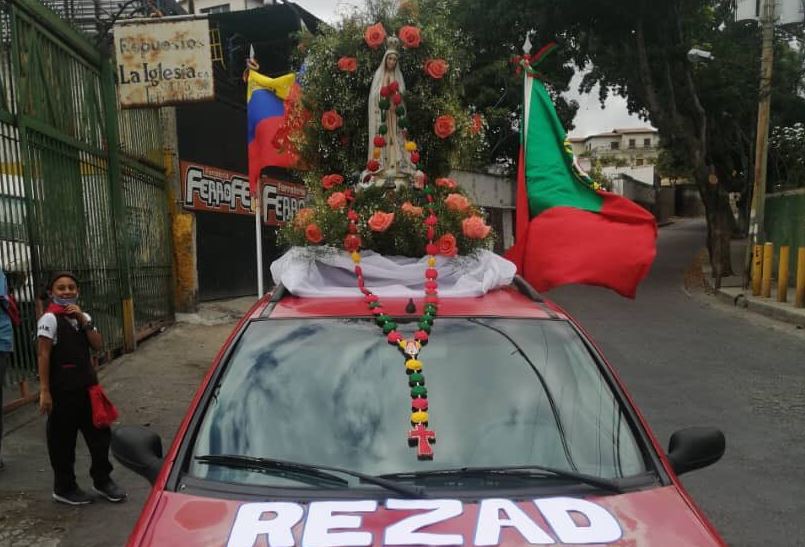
x: 72, y: 412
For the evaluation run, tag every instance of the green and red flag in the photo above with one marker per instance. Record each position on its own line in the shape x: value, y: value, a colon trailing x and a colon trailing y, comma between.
x: 567, y: 229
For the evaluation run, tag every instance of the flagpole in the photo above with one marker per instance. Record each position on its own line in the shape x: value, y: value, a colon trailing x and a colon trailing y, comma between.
x: 258, y: 235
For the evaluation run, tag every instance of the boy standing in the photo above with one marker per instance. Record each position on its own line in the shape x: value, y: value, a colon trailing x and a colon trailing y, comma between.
x: 65, y: 335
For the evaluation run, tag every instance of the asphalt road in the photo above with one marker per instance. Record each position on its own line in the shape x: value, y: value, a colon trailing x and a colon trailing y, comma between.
x: 689, y: 360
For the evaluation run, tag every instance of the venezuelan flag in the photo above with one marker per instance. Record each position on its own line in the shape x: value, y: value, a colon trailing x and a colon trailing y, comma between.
x: 265, y: 109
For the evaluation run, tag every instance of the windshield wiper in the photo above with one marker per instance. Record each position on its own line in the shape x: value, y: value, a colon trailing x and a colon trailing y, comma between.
x: 521, y: 470
x: 306, y: 470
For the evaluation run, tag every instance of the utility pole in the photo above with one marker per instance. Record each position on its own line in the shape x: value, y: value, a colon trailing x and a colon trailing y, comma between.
x: 757, y: 234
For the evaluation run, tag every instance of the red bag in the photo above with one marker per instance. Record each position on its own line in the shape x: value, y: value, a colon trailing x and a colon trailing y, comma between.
x: 9, y: 305
x: 103, y: 411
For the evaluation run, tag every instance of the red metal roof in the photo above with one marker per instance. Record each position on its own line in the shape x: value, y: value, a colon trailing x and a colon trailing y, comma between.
x: 504, y: 302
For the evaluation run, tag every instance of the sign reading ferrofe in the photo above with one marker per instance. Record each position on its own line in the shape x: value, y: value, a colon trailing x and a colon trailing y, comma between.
x: 163, y: 62
x: 207, y: 188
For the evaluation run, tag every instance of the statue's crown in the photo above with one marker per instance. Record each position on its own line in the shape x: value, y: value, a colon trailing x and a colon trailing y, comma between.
x: 393, y: 44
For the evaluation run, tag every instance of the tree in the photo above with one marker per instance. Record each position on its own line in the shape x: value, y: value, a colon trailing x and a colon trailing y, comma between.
x: 497, y: 31
x: 705, y: 114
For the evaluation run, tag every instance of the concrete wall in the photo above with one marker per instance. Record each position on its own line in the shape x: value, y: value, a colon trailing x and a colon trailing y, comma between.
x: 493, y: 192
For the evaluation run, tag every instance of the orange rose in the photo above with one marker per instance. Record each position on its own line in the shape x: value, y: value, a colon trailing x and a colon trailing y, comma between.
x: 457, y: 202
x: 348, y: 64
x: 313, y: 234
x: 331, y: 120
x: 476, y: 124
x: 328, y: 181
x: 411, y: 210
x: 410, y: 36
x: 303, y: 216
x: 374, y: 35
x: 447, y: 245
x: 444, y: 126
x: 475, y: 227
x: 436, y: 68
x: 450, y: 184
x: 337, y: 200
x: 380, y: 221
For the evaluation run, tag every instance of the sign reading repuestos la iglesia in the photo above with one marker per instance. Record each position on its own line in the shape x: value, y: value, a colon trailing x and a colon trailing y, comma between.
x: 163, y: 62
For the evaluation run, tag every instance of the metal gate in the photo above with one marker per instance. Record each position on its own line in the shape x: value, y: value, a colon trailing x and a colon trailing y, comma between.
x: 82, y: 186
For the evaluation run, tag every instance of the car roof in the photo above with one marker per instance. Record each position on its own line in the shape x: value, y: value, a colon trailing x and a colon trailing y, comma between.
x: 518, y: 300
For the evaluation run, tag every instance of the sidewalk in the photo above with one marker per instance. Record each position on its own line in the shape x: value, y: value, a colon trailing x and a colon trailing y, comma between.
x: 732, y: 292
x: 151, y: 387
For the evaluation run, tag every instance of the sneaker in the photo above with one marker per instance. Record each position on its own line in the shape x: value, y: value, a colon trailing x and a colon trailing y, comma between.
x: 111, y: 491
x: 73, y: 497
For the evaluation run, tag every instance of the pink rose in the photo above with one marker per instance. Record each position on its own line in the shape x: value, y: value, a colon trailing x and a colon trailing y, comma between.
x: 313, y: 234
x: 348, y: 64
x: 444, y: 126
x: 445, y: 182
x: 411, y: 210
x: 474, y: 227
x: 303, y: 216
x: 380, y: 221
x: 436, y: 68
x: 457, y: 202
x: 374, y: 35
x: 328, y: 181
x: 410, y: 36
x: 337, y: 200
x: 331, y: 120
x: 447, y: 245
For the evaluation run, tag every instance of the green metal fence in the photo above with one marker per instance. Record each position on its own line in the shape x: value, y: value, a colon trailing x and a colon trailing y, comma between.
x: 81, y: 182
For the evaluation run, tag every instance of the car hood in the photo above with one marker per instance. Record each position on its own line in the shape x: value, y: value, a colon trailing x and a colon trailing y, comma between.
x: 659, y: 516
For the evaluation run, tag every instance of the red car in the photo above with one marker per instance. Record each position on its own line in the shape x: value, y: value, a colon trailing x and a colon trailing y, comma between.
x: 300, y: 434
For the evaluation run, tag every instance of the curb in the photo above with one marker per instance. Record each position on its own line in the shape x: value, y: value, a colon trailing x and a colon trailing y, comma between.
x: 769, y: 307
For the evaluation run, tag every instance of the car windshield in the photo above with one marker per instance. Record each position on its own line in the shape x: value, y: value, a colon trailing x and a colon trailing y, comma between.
x: 333, y: 392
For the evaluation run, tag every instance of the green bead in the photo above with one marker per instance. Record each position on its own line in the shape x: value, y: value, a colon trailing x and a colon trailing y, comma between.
x: 402, y: 122
x: 400, y: 111
x: 428, y: 190
x: 374, y: 304
x: 424, y: 325
x: 416, y: 378
x: 419, y: 391
x: 383, y: 129
x: 381, y: 319
x: 427, y: 316
x: 389, y: 326
x: 430, y: 308
x: 383, y: 104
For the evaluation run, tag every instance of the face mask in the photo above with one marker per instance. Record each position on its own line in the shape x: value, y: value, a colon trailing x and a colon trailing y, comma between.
x: 64, y: 301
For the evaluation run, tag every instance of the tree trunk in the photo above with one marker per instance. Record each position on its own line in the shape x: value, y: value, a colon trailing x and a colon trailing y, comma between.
x: 719, y: 228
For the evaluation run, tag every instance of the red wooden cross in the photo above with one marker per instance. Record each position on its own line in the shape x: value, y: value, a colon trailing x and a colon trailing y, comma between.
x: 421, y: 436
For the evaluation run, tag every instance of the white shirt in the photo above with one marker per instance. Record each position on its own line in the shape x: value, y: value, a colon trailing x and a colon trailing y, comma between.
x: 47, y: 325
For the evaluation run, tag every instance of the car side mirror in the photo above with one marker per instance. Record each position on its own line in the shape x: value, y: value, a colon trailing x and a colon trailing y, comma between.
x: 695, y: 447
x: 139, y: 449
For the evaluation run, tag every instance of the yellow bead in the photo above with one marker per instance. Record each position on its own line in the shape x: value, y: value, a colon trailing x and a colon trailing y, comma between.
x: 413, y: 365
x: 356, y: 257
x: 410, y: 146
x: 432, y: 262
x: 419, y: 417
x: 376, y: 153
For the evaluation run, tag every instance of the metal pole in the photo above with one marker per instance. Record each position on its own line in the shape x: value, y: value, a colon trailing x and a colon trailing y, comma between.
x: 258, y: 233
x: 757, y: 233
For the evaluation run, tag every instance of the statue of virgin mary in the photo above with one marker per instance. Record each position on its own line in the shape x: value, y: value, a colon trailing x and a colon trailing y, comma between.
x: 395, y: 165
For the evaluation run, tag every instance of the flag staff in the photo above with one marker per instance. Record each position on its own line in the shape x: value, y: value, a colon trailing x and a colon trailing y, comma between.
x: 258, y: 234
x: 258, y: 228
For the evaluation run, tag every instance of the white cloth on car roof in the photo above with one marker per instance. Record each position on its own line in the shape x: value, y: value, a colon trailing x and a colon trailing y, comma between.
x: 328, y: 272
